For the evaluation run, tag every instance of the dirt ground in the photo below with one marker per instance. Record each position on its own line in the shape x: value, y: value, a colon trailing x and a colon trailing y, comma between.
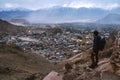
x: 15, y: 64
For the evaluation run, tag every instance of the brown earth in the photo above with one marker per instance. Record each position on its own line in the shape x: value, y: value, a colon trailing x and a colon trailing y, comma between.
x: 77, y: 68
x: 8, y: 28
x: 15, y: 64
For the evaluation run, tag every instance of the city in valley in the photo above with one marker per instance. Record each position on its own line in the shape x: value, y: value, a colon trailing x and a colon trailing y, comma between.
x: 56, y: 42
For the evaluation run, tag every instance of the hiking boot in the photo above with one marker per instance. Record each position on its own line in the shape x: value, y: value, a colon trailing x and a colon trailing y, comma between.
x: 92, y: 66
x: 96, y: 65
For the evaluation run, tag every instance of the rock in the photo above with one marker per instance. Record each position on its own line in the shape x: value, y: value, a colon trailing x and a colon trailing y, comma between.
x: 109, y: 76
x: 104, y: 65
x: 115, y: 58
x: 69, y: 76
x: 96, y: 76
x: 53, y: 76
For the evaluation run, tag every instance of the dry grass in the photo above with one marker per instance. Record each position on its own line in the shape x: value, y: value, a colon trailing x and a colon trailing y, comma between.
x: 17, y: 65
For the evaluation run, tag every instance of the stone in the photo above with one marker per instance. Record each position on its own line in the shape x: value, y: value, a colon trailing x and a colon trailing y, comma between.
x: 115, y: 58
x: 53, y: 76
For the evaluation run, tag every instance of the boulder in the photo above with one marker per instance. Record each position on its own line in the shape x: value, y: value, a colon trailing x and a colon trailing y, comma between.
x: 53, y: 76
x: 115, y: 58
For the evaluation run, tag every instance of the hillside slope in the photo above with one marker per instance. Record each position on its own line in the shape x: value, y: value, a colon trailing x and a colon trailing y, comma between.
x: 15, y: 64
x: 6, y: 27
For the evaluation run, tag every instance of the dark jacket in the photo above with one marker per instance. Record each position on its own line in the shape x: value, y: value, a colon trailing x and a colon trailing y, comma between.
x: 96, y: 43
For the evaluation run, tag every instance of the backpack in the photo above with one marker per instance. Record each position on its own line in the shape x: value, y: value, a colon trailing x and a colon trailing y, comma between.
x: 102, y: 44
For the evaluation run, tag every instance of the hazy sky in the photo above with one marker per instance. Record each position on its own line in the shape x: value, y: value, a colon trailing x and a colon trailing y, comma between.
x: 38, y: 4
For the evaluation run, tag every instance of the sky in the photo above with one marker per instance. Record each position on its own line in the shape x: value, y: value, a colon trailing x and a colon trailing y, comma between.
x: 41, y: 4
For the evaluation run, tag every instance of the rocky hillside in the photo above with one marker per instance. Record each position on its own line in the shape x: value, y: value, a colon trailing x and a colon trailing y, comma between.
x: 115, y: 58
x: 108, y: 66
x: 6, y: 27
x: 15, y: 64
x: 77, y: 67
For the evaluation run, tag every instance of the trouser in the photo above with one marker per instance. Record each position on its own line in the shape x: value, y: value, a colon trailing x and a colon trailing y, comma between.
x: 94, y: 57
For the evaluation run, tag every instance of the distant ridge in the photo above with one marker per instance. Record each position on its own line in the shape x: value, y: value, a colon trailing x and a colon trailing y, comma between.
x: 19, y: 21
x: 6, y: 27
x: 58, y: 14
x: 110, y: 19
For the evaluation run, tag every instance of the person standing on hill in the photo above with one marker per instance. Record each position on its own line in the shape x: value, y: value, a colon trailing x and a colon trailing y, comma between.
x: 94, y: 54
x: 117, y: 41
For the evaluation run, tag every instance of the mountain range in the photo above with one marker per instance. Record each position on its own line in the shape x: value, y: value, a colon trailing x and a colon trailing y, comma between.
x: 61, y: 15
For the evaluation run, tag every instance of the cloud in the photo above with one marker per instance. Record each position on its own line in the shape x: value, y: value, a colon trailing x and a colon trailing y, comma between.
x: 7, y: 5
x: 110, y: 6
x: 11, y: 5
x: 38, y: 4
x: 77, y: 4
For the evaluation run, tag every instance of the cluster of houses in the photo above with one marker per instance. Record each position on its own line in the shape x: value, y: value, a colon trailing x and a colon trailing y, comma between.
x: 56, y: 47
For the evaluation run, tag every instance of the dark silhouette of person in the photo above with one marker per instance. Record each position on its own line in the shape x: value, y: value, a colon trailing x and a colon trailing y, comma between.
x: 94, y: 54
